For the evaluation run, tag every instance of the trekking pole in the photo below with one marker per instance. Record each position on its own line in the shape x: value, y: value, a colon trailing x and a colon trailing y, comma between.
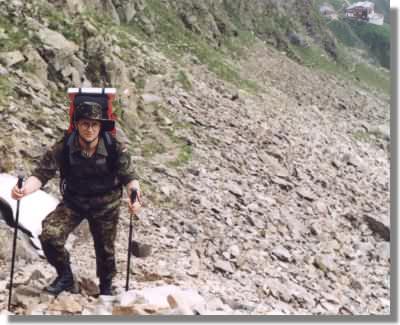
x: 19, y: 184
x: 133, y: 199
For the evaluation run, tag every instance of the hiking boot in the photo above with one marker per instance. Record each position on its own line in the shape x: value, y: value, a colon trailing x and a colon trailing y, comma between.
x: 105, y: 287
x: 64, y: 281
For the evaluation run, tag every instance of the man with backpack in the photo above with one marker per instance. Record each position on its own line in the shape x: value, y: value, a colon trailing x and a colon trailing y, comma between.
x: 94, y: 166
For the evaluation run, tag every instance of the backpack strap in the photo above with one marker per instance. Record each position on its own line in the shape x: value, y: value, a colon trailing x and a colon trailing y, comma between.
x: 111, y: 146
x: 64, y: 166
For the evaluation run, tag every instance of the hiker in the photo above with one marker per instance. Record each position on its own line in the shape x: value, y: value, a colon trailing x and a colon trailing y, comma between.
x: 94, y: 179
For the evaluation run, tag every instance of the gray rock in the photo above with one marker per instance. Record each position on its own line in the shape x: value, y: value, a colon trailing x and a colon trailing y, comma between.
x: 297, y: 39
x: 178, y: 301
x: 324, y: 263
x: 223, y: 266
x: 151, y: 99
x: 282, y: 254
x: 10, y: 59
x: 278, y: 290
x: 382, y: 131
x: 234, y: 189
x: 127, y: 298
x: 37, y: 63
x: 306, y: 193
x: 382, y: 251
x: 65, y: 303
x: 57, y: 41
x: 355, y: 284
x: 24, y: 249
x: 3, y: 71
x: 234, y: 250
x: 378, y: 227
x: 26, y: 295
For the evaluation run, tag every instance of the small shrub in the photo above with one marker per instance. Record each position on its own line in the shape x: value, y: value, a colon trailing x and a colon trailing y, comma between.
x: 184, y: 80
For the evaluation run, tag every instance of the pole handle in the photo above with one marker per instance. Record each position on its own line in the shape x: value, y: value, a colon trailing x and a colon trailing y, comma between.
x: 133, y: 196
x: 20, y: 180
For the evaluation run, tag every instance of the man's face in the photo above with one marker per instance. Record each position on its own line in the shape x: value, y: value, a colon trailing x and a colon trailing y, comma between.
x: 88, y: 129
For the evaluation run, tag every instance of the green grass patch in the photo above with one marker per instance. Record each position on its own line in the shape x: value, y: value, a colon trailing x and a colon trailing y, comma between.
x: 184, y: 156
x: 12, y: 36
x: 372, y: 77
x: 151, y: 147
x: 362, y: 136
x: 376, y: 38
x: 176, y: 41
x: 363, y: 74
x: 118, y: 110
x: 59, y: 22
x: 183, y: 79
x: 28, y: 67
x: 5, y: 89
x: 140, y: 83
x: 236, y: 46
x: 345, y: 34
x: 315, y: 57
x: 166, y: 141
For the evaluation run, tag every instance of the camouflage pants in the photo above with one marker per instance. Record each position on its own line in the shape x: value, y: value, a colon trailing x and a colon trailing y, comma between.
x: 57, y: 226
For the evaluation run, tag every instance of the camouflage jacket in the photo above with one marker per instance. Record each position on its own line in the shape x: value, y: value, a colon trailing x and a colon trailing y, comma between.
x: 54, y: 159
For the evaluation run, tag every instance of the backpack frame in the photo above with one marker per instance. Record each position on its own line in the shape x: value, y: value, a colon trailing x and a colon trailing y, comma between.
x: 102, y: 96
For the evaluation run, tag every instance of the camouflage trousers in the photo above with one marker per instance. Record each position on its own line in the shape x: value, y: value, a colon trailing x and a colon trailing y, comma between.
x: 57, y: 226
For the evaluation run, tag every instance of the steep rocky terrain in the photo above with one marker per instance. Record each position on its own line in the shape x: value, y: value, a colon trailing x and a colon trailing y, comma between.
x: 265, y: 182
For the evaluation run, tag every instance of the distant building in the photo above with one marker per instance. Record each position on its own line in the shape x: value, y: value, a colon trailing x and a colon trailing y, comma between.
x: 364, y: 10
x: 360, y: 10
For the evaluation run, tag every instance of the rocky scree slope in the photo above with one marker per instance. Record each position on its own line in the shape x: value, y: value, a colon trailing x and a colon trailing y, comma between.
x: 268, y: 200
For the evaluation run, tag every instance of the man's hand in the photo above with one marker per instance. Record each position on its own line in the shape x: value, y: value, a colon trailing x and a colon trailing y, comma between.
x: 31, y: 185
x: 18, y: 193
x: 134, y: 207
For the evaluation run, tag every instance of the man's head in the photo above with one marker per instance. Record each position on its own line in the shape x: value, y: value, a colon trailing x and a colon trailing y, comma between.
x: 90, y: 119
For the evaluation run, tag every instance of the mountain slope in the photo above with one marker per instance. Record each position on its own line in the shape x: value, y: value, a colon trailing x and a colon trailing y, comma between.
x: 265, y: 181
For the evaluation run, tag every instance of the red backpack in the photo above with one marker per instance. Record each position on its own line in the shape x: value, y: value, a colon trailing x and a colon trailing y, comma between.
x: 103, y: 96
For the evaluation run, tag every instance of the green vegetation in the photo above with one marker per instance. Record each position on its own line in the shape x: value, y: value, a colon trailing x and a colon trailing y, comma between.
x: 314, y: 57
x: 28, y: 67
x: 176, y: 41
x: 60, y: 96
x: 236, y: 46
x: 59, y: 22
x: 104, y: 24
x: 118, y: 109
x: 372, y: 77
x: 5, y: 89
x: 140, y: 83
x: 185, y: 154
x: 151, y: 147
x: 362, y: 136
x: 184, y: 80
x: 11, y: 37
x: 345, y: 34
x: 376, y: 38
x: 159, y: 133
